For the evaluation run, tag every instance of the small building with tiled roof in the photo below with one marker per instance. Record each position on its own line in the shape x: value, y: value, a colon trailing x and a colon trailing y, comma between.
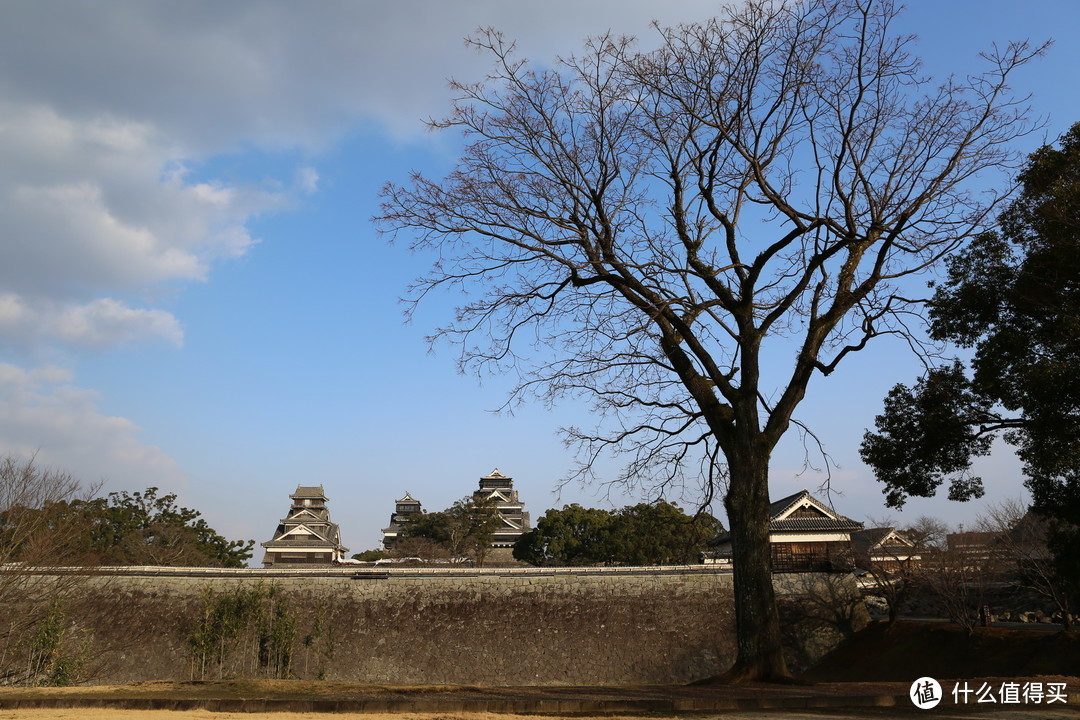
x: 883, y: 550
x: 805, y: 535
x: 305, y: 537
x: 975, y: 547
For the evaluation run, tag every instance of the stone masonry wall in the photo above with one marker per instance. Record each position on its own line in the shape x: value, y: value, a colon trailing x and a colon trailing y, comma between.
x: 498, y: 627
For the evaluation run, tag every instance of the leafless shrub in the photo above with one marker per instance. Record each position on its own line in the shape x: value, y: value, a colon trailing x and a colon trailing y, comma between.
x: 36, y: 534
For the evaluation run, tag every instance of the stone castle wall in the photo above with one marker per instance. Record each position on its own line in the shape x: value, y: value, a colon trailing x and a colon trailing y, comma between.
x: 416, y: 626
x: 505, y: 627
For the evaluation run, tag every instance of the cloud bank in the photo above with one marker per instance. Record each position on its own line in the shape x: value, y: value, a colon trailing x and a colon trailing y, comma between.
x: 45, y: 415
x: 110, y: 119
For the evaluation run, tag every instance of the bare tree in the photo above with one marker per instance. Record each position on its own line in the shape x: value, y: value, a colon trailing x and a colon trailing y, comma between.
x: 34, y: 533
x: 820, y: 610
x: 893, y: 560
x: 1021, y: 553
x: 652, y: 227
x: 928, y: 533
x: 960, y: 578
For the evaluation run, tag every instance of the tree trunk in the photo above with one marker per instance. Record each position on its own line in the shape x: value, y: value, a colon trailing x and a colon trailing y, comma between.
x: 758, y: 637
x: 894, y: 610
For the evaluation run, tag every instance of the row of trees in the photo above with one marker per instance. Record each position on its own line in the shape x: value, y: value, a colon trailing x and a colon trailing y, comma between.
x: 644, y: 534
x: 46, y: 518
x: 657, y: 533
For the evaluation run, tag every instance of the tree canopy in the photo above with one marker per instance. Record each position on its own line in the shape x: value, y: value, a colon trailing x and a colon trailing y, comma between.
x: 465, y: 529
x: 643, y: 534
x: 656, y: 230
x: 140, y: 528
x: 1013, y: 297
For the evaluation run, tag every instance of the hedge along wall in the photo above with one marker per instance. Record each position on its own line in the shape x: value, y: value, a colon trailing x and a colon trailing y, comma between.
x: 663, y: 625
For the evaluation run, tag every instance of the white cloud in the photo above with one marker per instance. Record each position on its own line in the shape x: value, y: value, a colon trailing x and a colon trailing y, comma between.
x: 100, y: 208
x: 106, y: 322
x: 103, y: 204
x: 307, y: 179
x: 42, y: 413
x: 98, y: 126
x: 276, y: 72
x: 101, y: 323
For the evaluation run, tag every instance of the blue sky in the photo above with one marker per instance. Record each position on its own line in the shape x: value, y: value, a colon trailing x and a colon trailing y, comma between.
x: 192, y: 295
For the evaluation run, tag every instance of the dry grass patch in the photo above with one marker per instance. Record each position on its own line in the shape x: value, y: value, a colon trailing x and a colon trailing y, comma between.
x: 110, y: 714
x: 240, y: 690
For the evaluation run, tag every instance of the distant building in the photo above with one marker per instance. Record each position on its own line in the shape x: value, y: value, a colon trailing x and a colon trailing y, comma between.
x: 404, y: 509
x: 805, y: 535
x: 305, y: 537
x: 976, y: 548
x: 884, y: 549
x: 498, y: 489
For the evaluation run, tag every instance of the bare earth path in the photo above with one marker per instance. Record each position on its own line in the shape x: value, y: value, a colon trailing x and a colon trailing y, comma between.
x: 111, y: 714
x: 292, y: 700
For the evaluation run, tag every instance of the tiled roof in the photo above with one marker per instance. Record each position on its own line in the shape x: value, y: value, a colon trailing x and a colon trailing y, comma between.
x: 290, y: 543
x: 776, y: 507
x: 836, y: 522
x: 863, y: 540
x: 309, y: 491
x: 814, y: 523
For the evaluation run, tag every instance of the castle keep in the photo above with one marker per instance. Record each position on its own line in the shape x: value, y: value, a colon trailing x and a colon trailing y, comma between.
x: 404, y: 508
x: 498, y: 489
x: 305, y: 537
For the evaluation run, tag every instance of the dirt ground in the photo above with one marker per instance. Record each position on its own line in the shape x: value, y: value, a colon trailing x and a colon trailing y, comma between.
x: 110, y: 714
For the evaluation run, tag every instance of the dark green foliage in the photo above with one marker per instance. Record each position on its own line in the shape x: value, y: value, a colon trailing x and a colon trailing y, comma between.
x: 1062, y: 540
x: 371, y: 555
x: 661, y: 534
x: 1014, y: 297
x: 140, y: 528
x: 644, y: 534
x: 465, y: 529
x: 249, y: 631
x: 571, y: 536
x: 48, y: 661
x: 928, y: 434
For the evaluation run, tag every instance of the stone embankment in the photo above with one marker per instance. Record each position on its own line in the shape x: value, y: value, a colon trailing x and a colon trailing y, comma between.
x: 496, y: 627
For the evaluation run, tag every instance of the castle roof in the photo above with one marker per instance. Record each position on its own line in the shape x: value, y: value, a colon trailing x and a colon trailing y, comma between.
x: 801, y: 512
x: 309, y: 491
